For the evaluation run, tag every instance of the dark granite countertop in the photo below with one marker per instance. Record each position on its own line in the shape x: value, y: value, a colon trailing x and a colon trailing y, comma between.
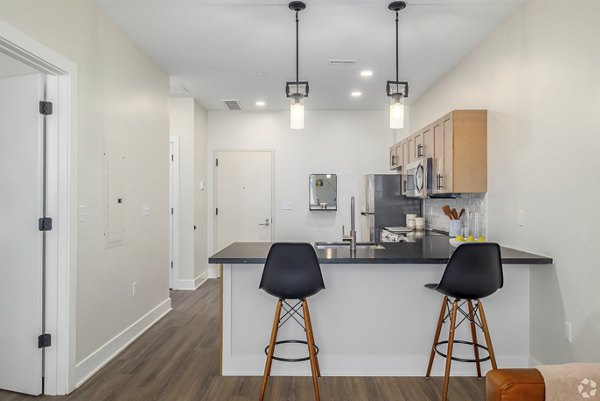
x: 432, y: 249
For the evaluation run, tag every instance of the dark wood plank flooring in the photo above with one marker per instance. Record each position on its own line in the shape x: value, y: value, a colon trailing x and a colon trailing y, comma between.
x: 178, y: 360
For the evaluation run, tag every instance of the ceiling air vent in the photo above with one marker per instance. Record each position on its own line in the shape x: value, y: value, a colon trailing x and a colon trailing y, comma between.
x: 232, y: 104
x: 342, y: 62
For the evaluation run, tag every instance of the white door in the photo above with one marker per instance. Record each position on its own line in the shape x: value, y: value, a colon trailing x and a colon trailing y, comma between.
x: 21, y: 242
x: 244, y: 197
x: 171, y: 212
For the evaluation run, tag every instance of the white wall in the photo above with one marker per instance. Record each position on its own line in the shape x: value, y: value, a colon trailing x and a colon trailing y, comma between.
x: 347, y: 143
x: 538, y: 77
x: 200, y: 193
x: 188, y: 122
x: 122, y: 97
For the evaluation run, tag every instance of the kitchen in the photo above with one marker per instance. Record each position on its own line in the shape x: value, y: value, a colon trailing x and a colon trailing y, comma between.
x: 188, y: 131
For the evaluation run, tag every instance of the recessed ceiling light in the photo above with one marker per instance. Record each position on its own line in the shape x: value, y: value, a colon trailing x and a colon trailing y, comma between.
x: 356, y: 94
x: 366, y: 73
x: 260, y: 103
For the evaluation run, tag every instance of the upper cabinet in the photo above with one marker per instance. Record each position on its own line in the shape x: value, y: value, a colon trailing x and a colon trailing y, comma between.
x: 457, y: 143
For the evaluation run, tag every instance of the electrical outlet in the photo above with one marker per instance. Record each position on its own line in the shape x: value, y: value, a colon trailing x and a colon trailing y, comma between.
x: 287, y: 206
x: 133, y: 288
x: 568, y: 331
x: 521, y: 217
x: 146, y: 209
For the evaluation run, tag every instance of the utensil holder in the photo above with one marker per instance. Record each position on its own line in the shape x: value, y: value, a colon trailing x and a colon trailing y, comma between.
x: 455, y: 228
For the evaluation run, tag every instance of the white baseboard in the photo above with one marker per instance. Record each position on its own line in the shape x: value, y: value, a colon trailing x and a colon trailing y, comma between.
x: 362, y: 365
x: 534, y: 362
x: 201, y: 279
x: 190, y: 285
x: 97, y: 359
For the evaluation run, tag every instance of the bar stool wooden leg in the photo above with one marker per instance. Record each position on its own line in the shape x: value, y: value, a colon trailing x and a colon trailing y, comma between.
x: 436, y: 338
x: 449, y: 352
x: 271, y: 349
x: 474, y: 335
x: 486, y: 332
x: 312, y: 334
x: 311, y: 349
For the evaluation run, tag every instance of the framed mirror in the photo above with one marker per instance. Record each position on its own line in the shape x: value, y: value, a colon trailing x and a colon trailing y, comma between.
x: 323, y: 192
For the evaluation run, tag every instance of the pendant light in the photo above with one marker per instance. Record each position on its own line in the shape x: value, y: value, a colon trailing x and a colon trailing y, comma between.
x: 297, y: 90
x: 397, y: 90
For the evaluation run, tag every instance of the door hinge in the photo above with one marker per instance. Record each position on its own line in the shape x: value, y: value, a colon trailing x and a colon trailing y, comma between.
x: 171, y: 211
x: 217, y: 162
x: 171, y: 264
x: 45, y: 108
x: 45, y: 224
x: 44, y: 341
x: 217, y: 211
x: 172, y: 158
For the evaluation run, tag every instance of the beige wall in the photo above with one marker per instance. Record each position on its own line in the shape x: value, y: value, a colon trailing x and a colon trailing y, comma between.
x: 188, y: 122
x: 122, y: 97
x: 538, y: 77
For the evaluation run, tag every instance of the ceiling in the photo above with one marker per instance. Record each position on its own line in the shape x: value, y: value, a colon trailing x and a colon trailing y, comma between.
x: 245, y: 49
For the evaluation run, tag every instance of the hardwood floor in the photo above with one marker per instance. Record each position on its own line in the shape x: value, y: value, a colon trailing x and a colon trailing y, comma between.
x: 178, y: 360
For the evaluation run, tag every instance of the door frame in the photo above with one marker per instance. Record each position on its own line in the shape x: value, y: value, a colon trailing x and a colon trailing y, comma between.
x: 215, y: 219
x: 174, y: 198
x: 61, y: 248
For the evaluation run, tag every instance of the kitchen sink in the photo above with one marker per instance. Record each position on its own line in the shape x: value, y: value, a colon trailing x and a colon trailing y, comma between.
x: 344, y: 245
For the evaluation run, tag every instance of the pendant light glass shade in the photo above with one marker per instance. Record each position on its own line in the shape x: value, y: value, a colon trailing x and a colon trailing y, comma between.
x: 297, y: 114
x: 397, y: 112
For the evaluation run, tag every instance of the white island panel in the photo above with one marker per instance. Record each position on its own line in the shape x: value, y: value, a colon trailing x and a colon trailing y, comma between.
x: 372, y: 320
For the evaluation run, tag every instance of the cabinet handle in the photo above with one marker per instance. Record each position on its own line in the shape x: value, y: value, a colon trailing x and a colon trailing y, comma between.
x: 404, y: 182
x: 419, y: 151
x: 440, y: 181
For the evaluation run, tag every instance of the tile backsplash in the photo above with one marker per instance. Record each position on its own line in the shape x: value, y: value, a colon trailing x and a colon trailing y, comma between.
x: 475, y: 217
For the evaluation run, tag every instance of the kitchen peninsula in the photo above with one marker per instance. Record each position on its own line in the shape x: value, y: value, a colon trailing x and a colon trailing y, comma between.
x: 375, y: 318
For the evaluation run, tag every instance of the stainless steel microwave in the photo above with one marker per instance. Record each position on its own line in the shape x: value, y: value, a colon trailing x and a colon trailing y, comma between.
x: 417, y: 179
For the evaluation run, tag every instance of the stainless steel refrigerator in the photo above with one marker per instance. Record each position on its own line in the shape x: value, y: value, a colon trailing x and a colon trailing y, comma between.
x: 383, y: 205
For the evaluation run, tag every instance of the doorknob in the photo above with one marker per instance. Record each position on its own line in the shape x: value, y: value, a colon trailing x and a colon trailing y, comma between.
x: 266, y: 223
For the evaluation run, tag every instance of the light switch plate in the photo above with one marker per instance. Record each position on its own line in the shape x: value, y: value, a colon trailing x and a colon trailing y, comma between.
x: 568, y: 331
x: 521, y: 217
x: 82, y: 213
x: 146, y: 209
x: 287, y: 206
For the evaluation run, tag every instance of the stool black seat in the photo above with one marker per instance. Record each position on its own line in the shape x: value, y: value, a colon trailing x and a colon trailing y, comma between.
x: 292, y: 271
x: 474, y: 271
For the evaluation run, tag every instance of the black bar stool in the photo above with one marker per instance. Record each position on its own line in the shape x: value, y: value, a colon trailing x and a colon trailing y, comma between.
x: 473, y: 272
x: 292, y: 271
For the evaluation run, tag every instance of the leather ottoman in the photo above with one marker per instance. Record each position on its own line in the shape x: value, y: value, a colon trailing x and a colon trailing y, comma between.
x: 514, y: 385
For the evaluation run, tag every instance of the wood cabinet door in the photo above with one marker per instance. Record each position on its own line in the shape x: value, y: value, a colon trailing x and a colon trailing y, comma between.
x: 438, y: 155
x: 418, y: 145
x: 411, y: 149
x: 448, y: 175
x: 399, y: 156
x: 393, y: 158
x: 427, y: 142
x: 405, y: 153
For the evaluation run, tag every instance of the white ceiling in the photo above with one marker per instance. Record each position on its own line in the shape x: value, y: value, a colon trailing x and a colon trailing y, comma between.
x: 245, y: 49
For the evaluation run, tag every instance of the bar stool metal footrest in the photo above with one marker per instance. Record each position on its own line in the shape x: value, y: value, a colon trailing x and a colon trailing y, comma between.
x: 471, y: 343
x: 292, y: 359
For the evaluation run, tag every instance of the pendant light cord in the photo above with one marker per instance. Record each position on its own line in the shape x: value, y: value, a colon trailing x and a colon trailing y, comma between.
x: 397, y: 79
x: 297, y: 58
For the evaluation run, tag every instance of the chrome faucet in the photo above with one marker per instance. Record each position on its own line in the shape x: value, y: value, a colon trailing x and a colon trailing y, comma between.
x: 352, y: 236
